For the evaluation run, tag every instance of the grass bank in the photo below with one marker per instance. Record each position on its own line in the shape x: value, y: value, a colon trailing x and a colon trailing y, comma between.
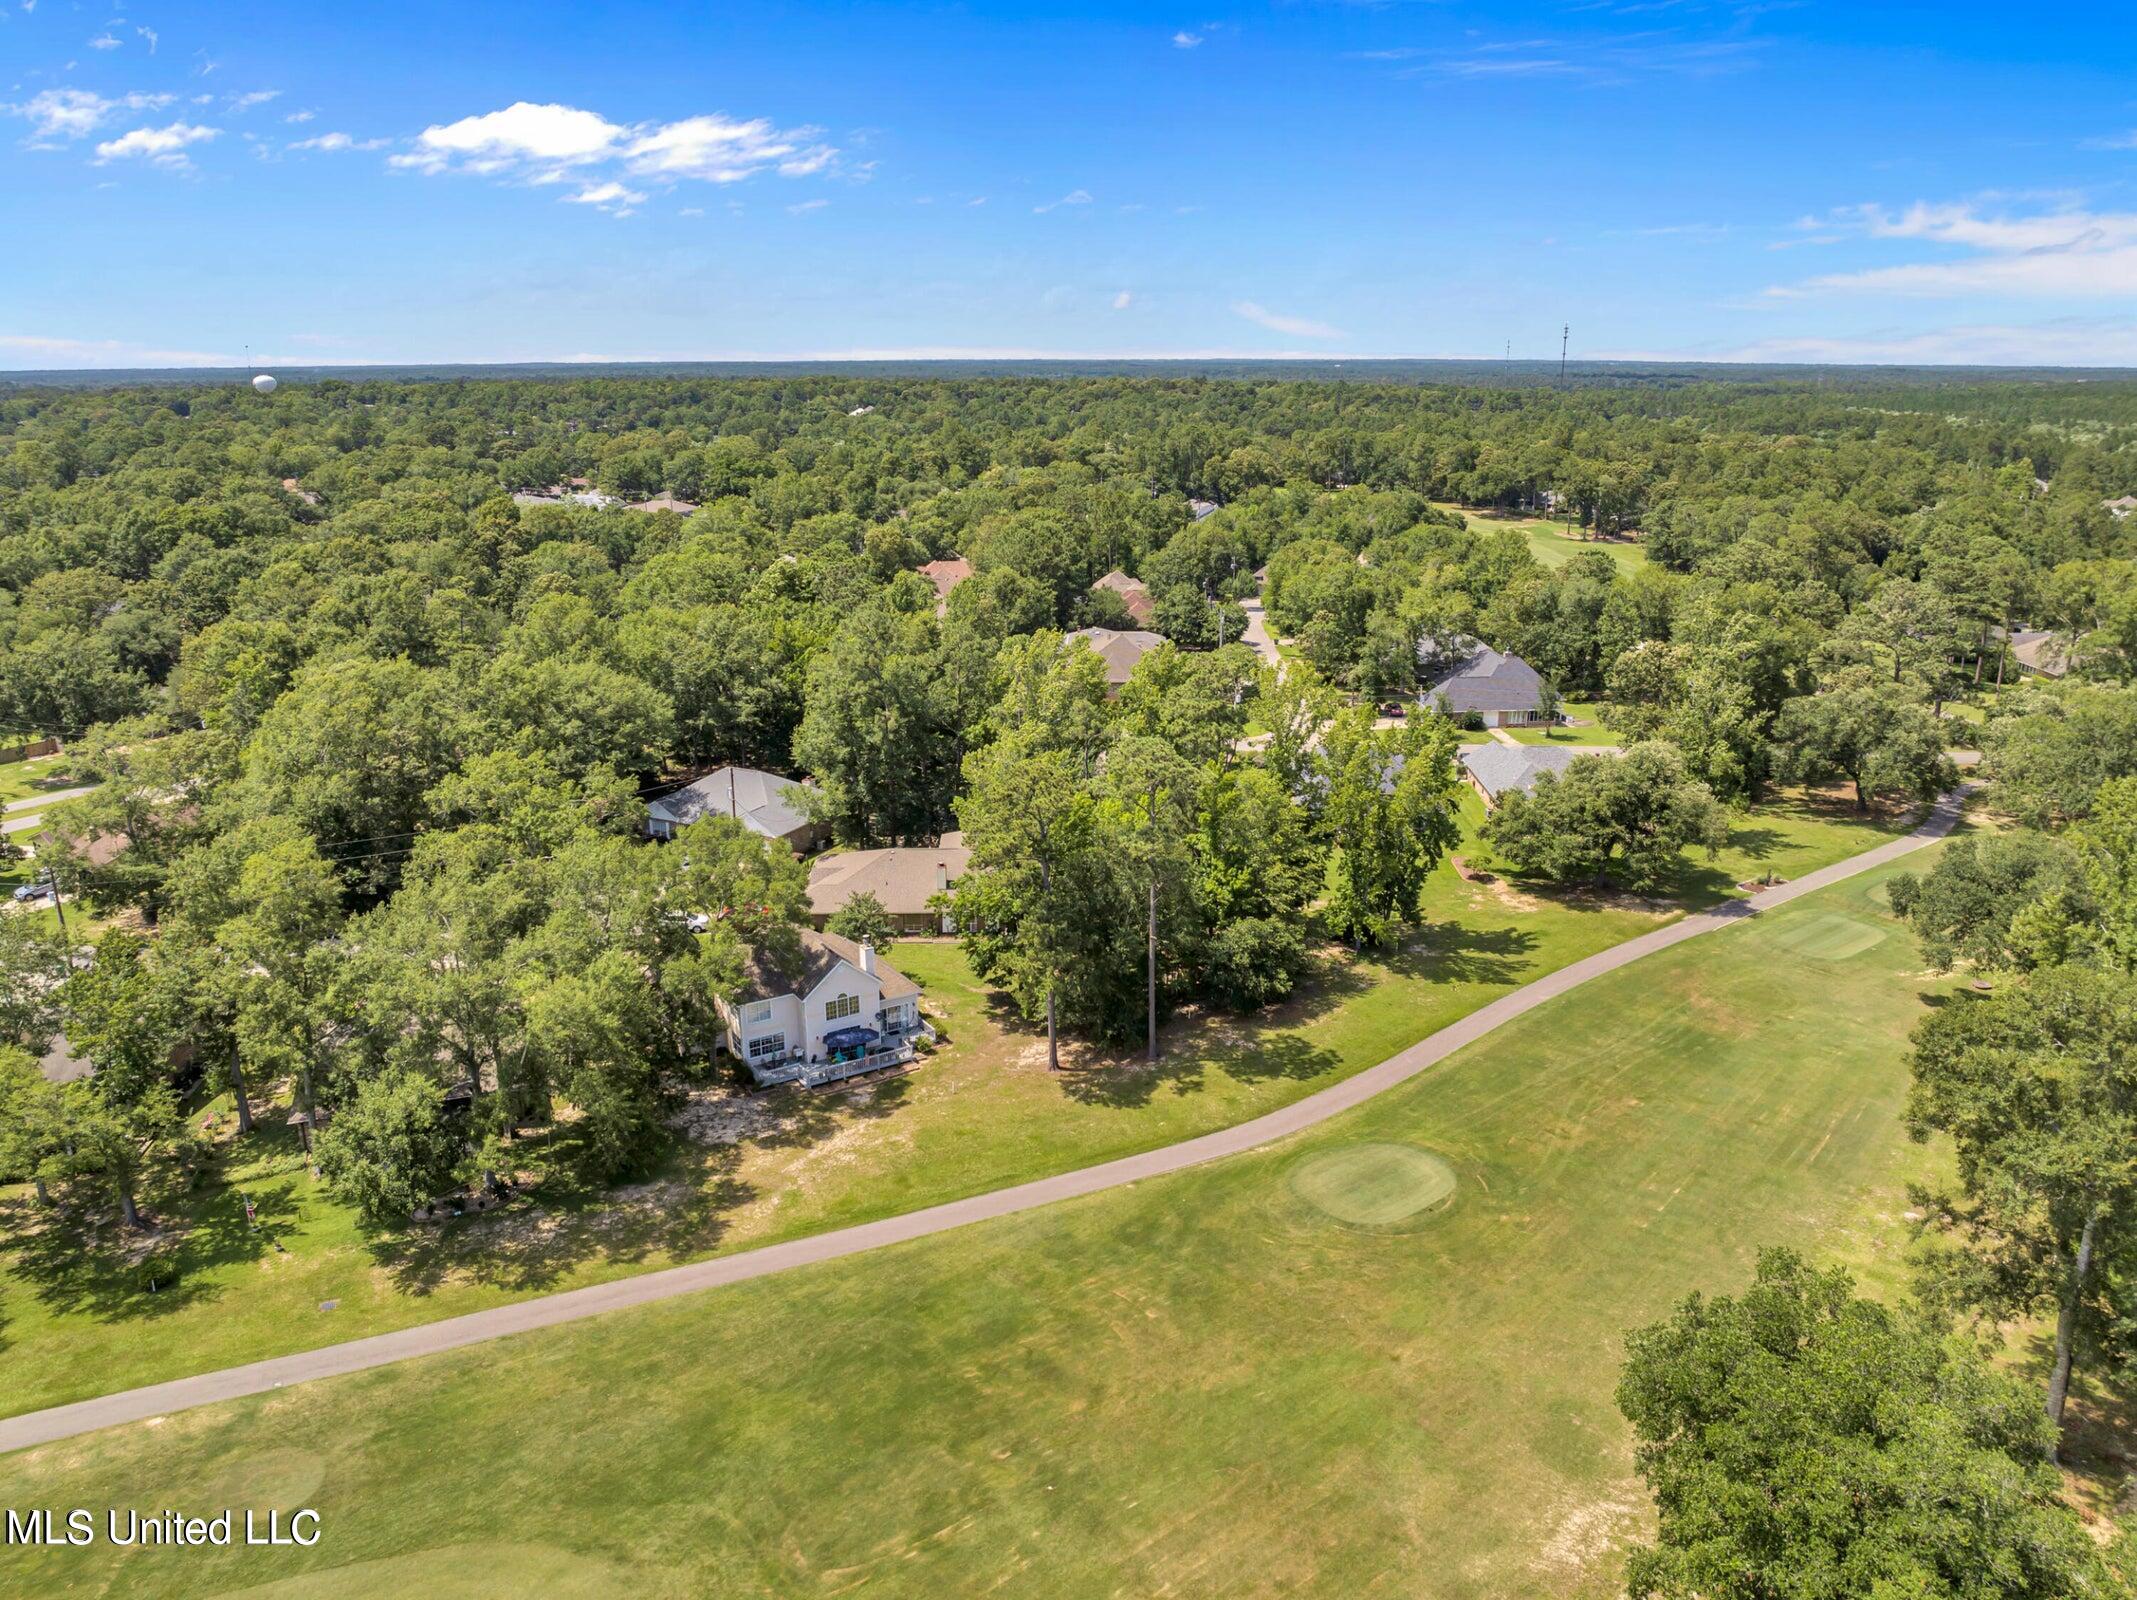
x: 1253, y: 1378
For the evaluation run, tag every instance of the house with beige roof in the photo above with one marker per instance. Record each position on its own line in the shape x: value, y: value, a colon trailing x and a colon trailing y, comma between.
x: 903, y: 879
x: 1134, y: 597
x: 1120, y: 649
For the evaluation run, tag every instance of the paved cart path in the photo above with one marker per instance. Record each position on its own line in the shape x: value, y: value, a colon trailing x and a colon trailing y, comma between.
x: 258, y: 1377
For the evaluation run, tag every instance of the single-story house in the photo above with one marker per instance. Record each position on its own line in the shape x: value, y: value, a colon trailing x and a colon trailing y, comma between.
x: 2121, y: 505
x: 904, y: 878
x: 840, y: 1000
x: 1198, y: 509
x: 763, y: 802
x: 1120, y: 649
x: 667, y: 500
x: 1494, y: 770
x: 946, y: 575
x: 1133, y: 596
x: 571, y: 492
x: 2040, y: 651
x: 292, y: 486
x: 1474, y: 680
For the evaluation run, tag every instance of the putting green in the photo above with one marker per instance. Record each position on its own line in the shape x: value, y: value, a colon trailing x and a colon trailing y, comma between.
x: 1373, y: 1185
x: 283, y: 1479
x: 1828, y: 938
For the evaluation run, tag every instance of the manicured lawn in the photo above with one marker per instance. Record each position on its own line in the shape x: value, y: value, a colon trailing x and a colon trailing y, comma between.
x: 19, y: 780
x: 1302, y: 1371
x: 982, y: 1113
x: 1587, y: 728
x: 1978, y: 705
x: 1550, y: 540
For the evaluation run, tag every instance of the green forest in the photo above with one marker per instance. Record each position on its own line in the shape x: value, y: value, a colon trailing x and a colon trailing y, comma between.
x: 372, y: 707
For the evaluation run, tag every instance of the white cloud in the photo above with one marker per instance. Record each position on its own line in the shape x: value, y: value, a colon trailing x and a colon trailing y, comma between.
x: 163, y: 146
x: 74, y: 113
x: 2066, y: 253
x: 151, y: 36
x: 300, y: 116
x: 718, y: 149
x: 1123, y: 300
x: 1302, y: 327
x: 607, y: 197
x: 549, y: 143
x: 522, y: 132
x: 105, y: 41
x: 331, y: 143
x: 255, y: 97
x: 1184, y: 40
x: 804, y: 207
x: 2113, y: 141
x: 1075, y: 197
x: 21, y: 351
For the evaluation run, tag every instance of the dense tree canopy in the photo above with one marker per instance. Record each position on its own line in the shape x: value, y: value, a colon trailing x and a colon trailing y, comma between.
x: 374, y: 713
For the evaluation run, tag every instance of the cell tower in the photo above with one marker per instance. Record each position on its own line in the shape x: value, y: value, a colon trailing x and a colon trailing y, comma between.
x: 1564, y: 334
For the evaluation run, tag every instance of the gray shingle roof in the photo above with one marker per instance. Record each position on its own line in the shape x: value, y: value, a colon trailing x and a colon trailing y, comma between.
x: 759, y: 799
x: 1498, y: 768
x: 820, y: 953
x: 1481, y: 680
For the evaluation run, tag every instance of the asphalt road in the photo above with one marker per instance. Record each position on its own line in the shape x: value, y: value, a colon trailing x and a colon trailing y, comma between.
x: 259, y: 1377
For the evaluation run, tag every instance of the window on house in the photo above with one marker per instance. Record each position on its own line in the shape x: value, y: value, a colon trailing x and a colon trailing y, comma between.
x: 756, y: 1011
x: 843, y: 1005
x: 767, y: 1048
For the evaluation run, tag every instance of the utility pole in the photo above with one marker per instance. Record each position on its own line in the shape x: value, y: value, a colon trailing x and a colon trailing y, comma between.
x: 1564, y: 334
x: 59, y: 900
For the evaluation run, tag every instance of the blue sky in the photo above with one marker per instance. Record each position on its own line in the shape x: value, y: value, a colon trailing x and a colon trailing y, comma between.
x: 475, y: 182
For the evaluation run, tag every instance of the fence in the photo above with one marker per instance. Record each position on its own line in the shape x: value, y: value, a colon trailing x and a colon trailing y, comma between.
x: 28, y: 752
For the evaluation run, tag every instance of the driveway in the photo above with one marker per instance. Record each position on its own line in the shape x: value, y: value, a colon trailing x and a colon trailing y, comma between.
x: 1257, y: 633
x: 358, y: 1355
x: 51, y: 797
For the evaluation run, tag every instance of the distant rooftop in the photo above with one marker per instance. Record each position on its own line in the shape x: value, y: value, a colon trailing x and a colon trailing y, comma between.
x: 759, y: 800
x: 1476, y: 678
x: 1119, y: 648
x: 1498, y: 769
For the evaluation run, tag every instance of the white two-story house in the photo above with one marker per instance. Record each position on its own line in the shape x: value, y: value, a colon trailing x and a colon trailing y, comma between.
x: 840, y: 1006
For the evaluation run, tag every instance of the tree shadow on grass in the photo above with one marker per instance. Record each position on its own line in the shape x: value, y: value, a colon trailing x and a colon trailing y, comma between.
x: 79, y: 1262
x: 1452, y: 952
x: 561, y: 1217
x: 2099, y: 1447
x: 1757, y: 844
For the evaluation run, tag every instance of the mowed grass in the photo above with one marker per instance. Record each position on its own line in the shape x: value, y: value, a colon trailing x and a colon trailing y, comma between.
x: 1553, y: 542
x: 1587, y: 728
x: 1203, y: 1385
x: 22, y: 780
x: 86, y: 1314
